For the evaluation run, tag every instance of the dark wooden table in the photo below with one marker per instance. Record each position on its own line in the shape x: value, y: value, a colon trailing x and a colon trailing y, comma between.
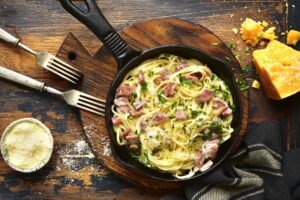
x: 73, y: 172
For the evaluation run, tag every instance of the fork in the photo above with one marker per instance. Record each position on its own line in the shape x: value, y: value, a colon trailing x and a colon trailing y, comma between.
x: 46, y: 60
x: 71, y: 97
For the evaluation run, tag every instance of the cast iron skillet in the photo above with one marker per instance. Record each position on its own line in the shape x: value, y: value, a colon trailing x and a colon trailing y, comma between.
x: 127, y: 59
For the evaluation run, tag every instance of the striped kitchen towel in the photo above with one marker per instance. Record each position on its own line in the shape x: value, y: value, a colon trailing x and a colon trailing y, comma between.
x: 259, y: 170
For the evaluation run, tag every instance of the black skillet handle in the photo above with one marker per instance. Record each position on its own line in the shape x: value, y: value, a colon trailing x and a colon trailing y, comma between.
x: 97, y: 23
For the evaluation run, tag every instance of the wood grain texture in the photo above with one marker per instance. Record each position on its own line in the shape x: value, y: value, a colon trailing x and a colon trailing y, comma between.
x: 43, y: 25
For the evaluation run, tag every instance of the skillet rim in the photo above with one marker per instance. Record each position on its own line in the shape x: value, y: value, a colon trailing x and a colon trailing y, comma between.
x: 111, y: 95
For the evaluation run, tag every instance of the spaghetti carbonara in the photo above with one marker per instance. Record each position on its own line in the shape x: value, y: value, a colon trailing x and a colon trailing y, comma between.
x: 172, y: 114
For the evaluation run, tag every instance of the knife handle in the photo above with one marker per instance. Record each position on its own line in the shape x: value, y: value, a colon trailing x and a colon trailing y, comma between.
x: 4, y: 35
x: 21, y: 79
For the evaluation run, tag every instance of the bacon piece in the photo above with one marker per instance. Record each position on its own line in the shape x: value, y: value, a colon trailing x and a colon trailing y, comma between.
x: 206, y: 166
x: 200, y: 158
x: 191, y: 77
x: 204, y: 96
x: 180, y: 114
x: 116, y: 120
x: 169, y: 89
x: 227, y: 112
x: 130, y: 136
x: 124, y: 109
x: 220, y: 106
x: 121, y: 101
x: 139, y: 104
x: 136, y: 113
x: 181, y: 66
x: 159, y: 118
x: 143, y: 124
x: 142, y: 77
x: 210, y: 148
x: 125, y: 90
x: 127, y: 132
x: 219, y: 103
x: 164, y: 74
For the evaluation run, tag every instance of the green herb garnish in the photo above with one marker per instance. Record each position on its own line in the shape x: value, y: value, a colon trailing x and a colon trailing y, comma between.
x: 246, y: 68
x: 248, y: 49
x: 150, y: 73
x: 173, y: 105
x: 239, y: 57
x: 243, y: 85
x: 144, y: 87
x: 194, y: 114
x: 161, y: 98
x: 171, y: 116
x: 231, y: 46
x: 184, y: 81
x: 233, y: 107
x: 228, y: 59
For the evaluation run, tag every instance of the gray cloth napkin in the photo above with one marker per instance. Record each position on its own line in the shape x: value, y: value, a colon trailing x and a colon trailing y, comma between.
x: 255, y: 171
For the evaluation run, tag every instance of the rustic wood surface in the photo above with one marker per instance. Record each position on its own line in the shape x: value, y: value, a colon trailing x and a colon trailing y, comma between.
x: 100, y: 70
x: 73, y: 172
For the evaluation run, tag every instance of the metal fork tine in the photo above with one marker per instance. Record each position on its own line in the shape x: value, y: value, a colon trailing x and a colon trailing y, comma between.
x: 66, y: 65
x: 87, y: 96
x: 92, y: 102
x: 60, y: 74
x: 89, y: 106
x: 90, y: 110
x: 66, y: 70
x: 54, y: 67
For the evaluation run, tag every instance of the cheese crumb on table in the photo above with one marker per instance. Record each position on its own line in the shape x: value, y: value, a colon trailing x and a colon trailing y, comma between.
x: 293, y: 37
x: 256, y: 84
x: 252, y: 31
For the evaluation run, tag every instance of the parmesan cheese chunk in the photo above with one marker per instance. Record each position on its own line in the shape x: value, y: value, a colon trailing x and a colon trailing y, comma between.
x: 278, y: 67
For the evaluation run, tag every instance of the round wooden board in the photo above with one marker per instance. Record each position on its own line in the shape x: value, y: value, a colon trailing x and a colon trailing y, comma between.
x: 100, y: 69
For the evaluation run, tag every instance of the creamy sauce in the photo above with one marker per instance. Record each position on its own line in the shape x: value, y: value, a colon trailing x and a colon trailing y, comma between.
x: 27, y: 145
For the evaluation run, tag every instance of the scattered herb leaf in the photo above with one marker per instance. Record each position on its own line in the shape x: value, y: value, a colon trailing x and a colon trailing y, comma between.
x: 228, y: 59
x: 248, y: 50
x: 231, y: 46
x: 239, y: 57
x: 246, y: 68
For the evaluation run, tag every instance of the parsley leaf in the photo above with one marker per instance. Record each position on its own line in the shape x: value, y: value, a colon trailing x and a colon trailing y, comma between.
x: 246, y: 68
x: 231, y: 46
x: 248, y: 49
x: 144, y: 87
x: 161, y: 98
x: 233, y: 107
x: 150, y: 73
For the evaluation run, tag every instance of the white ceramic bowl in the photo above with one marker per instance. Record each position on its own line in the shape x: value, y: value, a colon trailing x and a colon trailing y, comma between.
x: 6, y: 133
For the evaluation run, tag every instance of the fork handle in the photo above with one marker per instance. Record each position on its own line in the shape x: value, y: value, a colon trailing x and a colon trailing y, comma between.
x: 21, y: 79
x: 4, y: 35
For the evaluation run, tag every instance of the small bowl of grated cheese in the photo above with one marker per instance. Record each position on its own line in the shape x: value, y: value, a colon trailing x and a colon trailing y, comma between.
x: 26, y: 145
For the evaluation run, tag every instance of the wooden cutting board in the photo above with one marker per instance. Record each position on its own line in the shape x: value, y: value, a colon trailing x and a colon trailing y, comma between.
x: 100, y: 69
